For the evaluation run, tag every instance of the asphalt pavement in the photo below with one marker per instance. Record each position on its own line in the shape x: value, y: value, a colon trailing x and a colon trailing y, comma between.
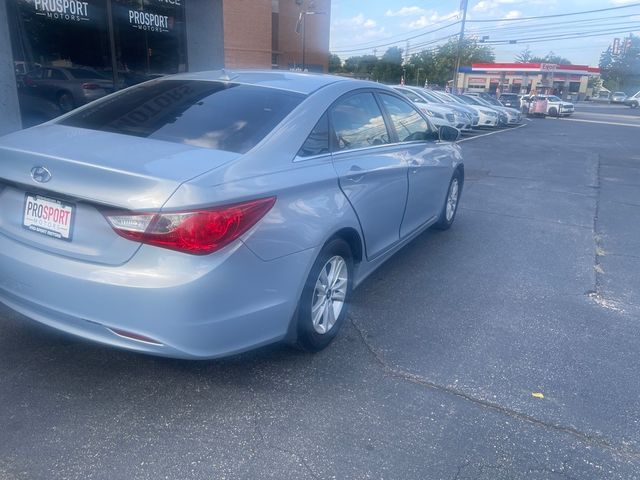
x: 504, y: 348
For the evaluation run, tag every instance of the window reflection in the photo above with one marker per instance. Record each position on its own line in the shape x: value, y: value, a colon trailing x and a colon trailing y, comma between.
x: 408, y: 123
x: 358, y: 122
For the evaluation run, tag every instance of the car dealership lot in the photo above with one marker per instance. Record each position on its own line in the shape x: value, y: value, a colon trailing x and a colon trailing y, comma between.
x: 533, y: 290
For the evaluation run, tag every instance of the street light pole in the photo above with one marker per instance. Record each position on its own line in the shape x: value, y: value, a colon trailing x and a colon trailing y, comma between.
x: 418, y: 75
x: 463, y: 6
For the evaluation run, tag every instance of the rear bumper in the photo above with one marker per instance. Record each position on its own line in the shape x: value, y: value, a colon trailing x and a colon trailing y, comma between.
x: 191, y: 307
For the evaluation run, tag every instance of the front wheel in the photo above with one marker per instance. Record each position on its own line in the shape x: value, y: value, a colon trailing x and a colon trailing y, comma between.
x: 323, y: 304
x: 634, y: 105
x: 450, y: 207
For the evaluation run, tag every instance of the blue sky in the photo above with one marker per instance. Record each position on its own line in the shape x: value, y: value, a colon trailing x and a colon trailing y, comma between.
x: 358, y: 26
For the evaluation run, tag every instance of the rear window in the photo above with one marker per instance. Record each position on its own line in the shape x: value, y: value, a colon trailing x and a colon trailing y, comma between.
x: 217, y: 115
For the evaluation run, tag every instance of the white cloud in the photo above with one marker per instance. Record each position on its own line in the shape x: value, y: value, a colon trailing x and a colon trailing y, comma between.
x: 406, y: 11
x: 359, y: 21
x: 511, y: 14
x: 430, y: 18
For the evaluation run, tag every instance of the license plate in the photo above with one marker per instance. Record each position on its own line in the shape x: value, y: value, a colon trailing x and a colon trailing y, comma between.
x: 48, y: 216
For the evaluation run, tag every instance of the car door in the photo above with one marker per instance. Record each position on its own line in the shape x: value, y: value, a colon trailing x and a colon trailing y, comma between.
x: 428, y: 159
x: 371, y: 170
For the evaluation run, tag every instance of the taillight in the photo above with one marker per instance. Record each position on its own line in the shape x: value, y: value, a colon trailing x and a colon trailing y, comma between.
x: 91, y: 86
x: 197, y: 232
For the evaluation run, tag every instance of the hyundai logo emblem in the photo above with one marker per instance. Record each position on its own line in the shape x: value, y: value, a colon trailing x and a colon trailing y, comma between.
x: 40, y: 174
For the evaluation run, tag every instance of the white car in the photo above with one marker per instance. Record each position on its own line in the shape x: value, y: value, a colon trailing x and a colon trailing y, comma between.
x: 463, y: 119
x: 487, y: 117
x: 557, y: 106
x: 633, y: 101
x: 438, y: 114
x: 514, y: 115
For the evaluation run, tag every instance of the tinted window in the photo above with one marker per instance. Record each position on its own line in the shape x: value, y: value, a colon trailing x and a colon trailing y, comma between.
x: 84, y: 73
x: 217, y: 115
x: 412, y: 96
x: 55, y: 74
x: 409, y: 124
x: 358, y: 122
x: 317, y: 143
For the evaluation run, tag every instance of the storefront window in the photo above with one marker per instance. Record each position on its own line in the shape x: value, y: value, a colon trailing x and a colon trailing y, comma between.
x: 62, y: 49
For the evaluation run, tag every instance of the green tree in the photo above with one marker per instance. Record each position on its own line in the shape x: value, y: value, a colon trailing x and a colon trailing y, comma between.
x: 622, y: 71
x: 362, y: 64
x: 524, y: 56
x: 335, y: 63
x: 551, y: 58
x: 441, y: 61
x: 389, y: 68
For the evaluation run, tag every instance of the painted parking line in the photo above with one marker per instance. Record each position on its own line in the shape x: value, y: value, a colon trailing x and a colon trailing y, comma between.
x: 492, y: 133
x: 602, y: 122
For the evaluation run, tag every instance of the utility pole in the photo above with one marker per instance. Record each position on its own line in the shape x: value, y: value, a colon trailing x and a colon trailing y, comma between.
x: 463, y: 6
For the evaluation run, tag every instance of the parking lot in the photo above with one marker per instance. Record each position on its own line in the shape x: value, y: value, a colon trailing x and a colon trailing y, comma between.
x: 534, y: 290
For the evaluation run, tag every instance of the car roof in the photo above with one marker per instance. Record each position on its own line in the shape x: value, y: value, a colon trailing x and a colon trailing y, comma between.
x: 305, y: 83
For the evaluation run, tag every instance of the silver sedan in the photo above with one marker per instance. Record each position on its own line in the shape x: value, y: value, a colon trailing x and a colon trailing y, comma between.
x: 201, y: 215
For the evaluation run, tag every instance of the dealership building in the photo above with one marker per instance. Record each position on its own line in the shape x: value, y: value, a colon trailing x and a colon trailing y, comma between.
x: 50, y: 43
x: 564, y: 80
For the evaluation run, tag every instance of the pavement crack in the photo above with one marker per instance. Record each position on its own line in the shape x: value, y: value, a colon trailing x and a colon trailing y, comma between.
x: 297, y: 456
x: 401, y: 374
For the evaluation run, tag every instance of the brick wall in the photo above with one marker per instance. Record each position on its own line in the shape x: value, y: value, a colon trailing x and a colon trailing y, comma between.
x: 247, y: 33
x: 317, y: 34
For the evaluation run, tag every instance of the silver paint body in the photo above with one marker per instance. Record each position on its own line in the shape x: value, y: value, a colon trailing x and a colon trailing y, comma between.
x: 242, y: 296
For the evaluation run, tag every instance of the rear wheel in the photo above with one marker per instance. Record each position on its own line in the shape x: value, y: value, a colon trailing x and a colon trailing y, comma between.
x: 450, y: 207
x: 634, y: 104
x: 553, y: 112
x: 66, y: 102
x: 323, y: 304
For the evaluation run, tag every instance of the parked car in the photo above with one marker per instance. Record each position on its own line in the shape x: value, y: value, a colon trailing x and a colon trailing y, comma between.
x: 514, y: 116
x: 200, y: 215
x: 618, y: 97
x: 487, y: 117
x: 459, y: 107
x: 502, y: 118
x: 68, y: 88
x: 556, y: 106
x: 511, y: 100
x: 601, y: 96
x: 633, y: 101
x: 453, y: 117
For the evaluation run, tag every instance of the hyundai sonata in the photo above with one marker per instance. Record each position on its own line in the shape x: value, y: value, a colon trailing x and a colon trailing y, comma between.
x: 201, y: 215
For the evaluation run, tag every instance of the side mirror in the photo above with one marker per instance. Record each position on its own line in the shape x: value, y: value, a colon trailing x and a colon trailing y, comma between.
x: 449, y: 134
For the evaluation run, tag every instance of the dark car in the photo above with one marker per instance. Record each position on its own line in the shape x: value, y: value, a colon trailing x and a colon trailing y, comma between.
x: 67, y: 88
x: 511, y: 100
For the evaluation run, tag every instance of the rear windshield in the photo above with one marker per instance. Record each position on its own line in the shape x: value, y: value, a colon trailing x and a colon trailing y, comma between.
x: 222, y: 116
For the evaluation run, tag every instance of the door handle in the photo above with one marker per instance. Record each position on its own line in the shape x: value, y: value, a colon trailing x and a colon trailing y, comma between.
x: 355, y: 174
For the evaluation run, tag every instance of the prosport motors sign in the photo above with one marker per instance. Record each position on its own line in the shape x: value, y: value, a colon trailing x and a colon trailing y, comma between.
x: 70, y: 10
x: 151, y: 22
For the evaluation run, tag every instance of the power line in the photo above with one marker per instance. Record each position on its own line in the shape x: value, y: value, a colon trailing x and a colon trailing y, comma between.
x: 545, y: 25
x: 401, y: 34
x: 566, y: 36
x: 395, y: 42
x: 584, y: 12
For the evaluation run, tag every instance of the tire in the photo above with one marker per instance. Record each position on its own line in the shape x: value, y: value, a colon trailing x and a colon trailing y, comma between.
x: 634, y: 104
x: 66, y: 102
x: 553, y: 112
x: 318, y: 307
x: 448, y: 211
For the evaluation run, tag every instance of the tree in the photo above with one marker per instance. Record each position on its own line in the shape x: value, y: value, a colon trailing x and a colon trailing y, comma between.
x: 389, y: 68
x: 622, y: 71
x: 335, y: 63
x: 524, y: 56
x: 551, y: 58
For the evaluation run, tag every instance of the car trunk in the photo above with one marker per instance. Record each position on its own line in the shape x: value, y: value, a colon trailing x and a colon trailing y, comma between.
x: 92, y: 173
